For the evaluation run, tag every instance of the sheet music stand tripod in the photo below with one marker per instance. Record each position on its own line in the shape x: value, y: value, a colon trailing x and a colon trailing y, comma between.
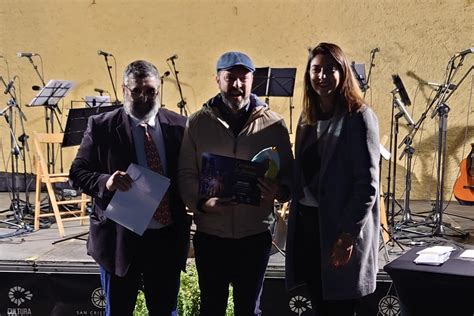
x: 49, y: 97
x: 76, y: 125
x: 275, y: 82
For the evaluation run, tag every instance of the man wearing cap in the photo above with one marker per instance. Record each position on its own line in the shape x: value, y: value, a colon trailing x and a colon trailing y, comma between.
x: 233, y: 241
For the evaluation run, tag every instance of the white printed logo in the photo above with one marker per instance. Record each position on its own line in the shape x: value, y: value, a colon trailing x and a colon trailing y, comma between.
x: 299, y: 304
x: 389, y: 306
x: 19, y: 295
x: 98, y: 298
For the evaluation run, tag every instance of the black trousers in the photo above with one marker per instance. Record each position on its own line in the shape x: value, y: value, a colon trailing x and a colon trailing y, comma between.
x: 240, y: 262
x: 159, y: 271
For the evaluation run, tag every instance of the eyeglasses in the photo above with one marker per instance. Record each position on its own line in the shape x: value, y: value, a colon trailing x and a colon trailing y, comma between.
x: 137, y: 92
x: 232, y: 79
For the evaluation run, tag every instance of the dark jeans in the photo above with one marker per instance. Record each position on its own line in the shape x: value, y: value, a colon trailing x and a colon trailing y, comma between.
x: 240, y: 262
x: 159, y: 271
x: 312, y: 268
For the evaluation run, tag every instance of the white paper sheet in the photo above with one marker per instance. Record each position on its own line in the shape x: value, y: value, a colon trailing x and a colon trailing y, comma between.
x: 432, y: 259
x: 437, y: 250
x: 134, y: 208
x: 469, y: 254
x: 435, y: 255
x: 54, y: 91
x: 97, y: 100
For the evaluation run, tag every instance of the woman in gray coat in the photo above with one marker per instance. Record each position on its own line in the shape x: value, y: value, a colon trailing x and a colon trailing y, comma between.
x: 333, y: 226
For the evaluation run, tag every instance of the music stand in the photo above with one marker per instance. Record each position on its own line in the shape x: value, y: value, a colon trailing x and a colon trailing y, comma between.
x: 93, y: 101
x: 260, y: 82
x: 275, y: 82
x: 359, y: 74
x: 49, y: 97
x: 76, y: 123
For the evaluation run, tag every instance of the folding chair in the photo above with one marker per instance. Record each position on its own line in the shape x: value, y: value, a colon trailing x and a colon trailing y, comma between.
x: 63, y: 209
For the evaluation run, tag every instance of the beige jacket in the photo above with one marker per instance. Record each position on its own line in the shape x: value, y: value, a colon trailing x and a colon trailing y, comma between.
x: 206, y: 131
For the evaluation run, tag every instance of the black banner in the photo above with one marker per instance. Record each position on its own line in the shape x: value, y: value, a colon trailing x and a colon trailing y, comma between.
x: 50, y: 294
x: 276, y: 300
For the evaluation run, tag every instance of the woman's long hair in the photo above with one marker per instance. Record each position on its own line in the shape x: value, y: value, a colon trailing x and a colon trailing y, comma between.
x: 348, y: 95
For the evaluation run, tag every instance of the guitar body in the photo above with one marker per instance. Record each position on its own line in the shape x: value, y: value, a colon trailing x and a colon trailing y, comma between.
x: 464, y: 185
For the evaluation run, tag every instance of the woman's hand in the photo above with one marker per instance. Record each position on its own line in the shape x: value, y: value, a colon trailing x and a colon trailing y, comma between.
x: 342, y: 250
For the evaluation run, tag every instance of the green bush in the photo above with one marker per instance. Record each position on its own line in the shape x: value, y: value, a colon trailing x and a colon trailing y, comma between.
x: 188, y: 297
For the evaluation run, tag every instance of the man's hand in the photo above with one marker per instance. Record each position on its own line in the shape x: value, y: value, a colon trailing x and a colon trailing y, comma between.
x: 269, y: 189
x: 342, y: 250
x: 120, y: 180
x: 217, y: 205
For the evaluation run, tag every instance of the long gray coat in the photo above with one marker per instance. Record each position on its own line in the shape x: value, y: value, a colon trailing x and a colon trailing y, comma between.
x: 348, y: 202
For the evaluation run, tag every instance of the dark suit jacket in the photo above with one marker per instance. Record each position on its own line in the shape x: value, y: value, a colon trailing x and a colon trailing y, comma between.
x: 108, y: 146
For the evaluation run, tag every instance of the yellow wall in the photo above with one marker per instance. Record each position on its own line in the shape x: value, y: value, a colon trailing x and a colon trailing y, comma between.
x: 414, y: 36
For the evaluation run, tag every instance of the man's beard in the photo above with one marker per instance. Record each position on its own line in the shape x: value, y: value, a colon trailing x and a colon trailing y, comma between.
x: 140, y: 111
x: 235, y: 106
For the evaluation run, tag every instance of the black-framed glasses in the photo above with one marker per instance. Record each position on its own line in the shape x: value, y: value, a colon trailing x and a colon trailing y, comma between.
x: 137, y: 92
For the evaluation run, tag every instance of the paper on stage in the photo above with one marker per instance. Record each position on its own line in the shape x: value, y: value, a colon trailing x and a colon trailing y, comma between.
x: 467, y: 254
x: 435, y: 255
x: 134, y: 208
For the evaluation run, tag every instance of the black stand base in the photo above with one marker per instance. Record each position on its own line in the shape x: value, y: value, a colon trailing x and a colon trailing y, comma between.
x: 75, y: 236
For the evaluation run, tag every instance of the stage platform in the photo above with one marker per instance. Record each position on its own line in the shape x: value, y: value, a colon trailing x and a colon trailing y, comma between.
x: 42, y: 261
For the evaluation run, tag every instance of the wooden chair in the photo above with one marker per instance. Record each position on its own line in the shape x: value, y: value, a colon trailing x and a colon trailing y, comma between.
x: 63, y: 209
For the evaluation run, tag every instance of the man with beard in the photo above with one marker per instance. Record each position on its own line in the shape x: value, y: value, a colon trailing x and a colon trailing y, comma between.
x: 142, y: 133
x: 233, y: 241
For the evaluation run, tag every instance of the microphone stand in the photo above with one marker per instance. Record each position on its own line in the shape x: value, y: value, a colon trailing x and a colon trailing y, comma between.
x: 182, y: 103
x: 442, y: 110
x: 161, y: 91
x: 15, y: 152
x: 49, y: 118
x: 392, y: 161
x: 371, y: 65
x: 111, y: 79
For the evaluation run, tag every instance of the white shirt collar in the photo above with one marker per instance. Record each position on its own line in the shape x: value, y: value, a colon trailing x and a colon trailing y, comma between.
x: 151, y: 122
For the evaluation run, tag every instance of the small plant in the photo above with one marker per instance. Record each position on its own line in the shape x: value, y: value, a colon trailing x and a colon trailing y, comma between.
x: 140, y: 305
x: 188, y: 297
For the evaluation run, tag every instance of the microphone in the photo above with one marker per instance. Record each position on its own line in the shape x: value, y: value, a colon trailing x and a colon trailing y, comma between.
x: 105, y: 54
x: 175, y: 56
x: 29, y: 55
x: 100, y: 90
x: 465, y: 52
x: 375, y: 50
x: 397, y: 81
x: 9, y: 85
x: 166, y: 74
x: 433, y: 85
x: 404, y: 111
x: 2, y: 112
x: 450, y: 86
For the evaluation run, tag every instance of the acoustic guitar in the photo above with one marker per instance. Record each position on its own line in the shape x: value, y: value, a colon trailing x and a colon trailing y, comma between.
x: 464, y: 185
